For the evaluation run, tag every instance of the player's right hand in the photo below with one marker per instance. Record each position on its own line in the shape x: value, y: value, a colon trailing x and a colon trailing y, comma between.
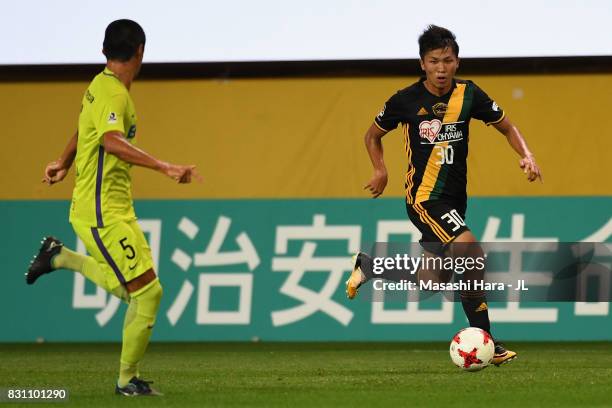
x: 54, y: 173
x: 377, y: 183
x: 182, y: 174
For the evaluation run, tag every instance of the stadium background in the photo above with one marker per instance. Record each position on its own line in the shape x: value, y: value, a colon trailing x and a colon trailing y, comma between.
x: 282, y: 155
x: 278, y: 152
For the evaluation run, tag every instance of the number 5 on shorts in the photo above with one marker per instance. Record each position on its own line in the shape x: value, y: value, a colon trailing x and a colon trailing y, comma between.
x: 126, y: 247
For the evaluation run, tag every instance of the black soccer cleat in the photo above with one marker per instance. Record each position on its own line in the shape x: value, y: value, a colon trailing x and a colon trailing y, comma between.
x: 137, y: 387
x: 502, y: 355
x: 41, y: 263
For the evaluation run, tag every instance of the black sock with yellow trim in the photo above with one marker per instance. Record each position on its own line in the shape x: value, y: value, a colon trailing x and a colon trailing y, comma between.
x: 476, y: 310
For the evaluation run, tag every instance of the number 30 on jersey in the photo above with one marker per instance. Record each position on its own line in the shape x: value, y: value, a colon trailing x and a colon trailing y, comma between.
x: 446, y: 154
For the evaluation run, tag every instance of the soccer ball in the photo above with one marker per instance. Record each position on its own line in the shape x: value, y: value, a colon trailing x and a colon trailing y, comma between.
x: 472, y: 349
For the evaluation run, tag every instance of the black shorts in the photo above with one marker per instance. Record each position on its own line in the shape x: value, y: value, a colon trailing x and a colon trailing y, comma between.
x: 440, y: 222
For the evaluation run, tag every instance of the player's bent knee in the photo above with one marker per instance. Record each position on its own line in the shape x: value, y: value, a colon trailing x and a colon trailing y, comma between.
x: 149, y: 300
x: 435, y: 275
x: 466, y: 245
x: 155, y: 292
x: 465, y: 237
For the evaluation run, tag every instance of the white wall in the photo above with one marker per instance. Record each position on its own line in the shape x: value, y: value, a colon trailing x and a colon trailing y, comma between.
x: 71, y: 31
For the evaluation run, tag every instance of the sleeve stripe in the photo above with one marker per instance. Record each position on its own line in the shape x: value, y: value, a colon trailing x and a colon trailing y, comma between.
x: 381, y: 128
x: 498, y: 120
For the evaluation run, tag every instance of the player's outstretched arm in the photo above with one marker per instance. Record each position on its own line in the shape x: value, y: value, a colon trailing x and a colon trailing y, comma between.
x: 57, y: 170
x: 373, y: 142
x: 516, y: 140
x: 116, y: 144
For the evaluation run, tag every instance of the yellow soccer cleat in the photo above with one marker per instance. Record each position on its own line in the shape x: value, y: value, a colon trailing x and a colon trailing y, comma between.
x: 502, y: 355
x: 356, y: 279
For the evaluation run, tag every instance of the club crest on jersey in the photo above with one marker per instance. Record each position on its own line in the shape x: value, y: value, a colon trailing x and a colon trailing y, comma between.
x: 429, y: 129
x: 439, y: 109
x: 112, y: 118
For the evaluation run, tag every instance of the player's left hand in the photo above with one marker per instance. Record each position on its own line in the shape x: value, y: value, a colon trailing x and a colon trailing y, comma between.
x: 529, y: 166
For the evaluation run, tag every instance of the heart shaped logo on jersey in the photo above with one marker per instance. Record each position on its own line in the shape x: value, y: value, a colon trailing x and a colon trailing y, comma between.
x: 429, y: 129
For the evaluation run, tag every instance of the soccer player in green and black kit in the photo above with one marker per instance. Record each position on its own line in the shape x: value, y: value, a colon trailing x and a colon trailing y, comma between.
x: 435, y: 113
x: 102, y: 213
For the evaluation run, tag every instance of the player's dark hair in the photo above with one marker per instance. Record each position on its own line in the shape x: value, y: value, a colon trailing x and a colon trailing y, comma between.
x: 435, y: 37
x: 122, y: 39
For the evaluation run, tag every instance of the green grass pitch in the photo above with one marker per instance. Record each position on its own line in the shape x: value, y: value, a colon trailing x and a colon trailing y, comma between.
x: 316, y: 374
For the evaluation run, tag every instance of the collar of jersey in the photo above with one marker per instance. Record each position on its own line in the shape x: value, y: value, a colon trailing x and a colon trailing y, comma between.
x: 109, y: 72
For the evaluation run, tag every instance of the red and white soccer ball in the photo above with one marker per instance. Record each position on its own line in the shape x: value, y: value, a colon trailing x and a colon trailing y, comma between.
x: 472, y: 349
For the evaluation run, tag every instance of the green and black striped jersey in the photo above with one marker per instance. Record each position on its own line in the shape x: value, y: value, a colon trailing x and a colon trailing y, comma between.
x: 436, y: 132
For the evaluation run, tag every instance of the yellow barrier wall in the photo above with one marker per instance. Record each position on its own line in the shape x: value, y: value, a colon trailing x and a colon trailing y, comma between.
x: 292, y: 138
